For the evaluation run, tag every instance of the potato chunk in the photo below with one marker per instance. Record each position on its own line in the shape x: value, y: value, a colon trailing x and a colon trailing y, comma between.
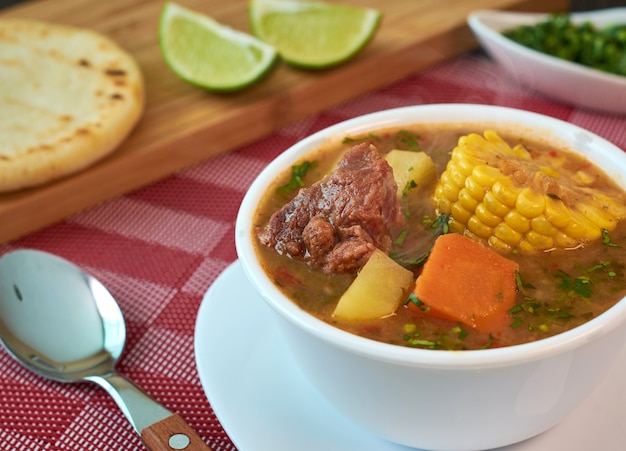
x: 410, y: 168
x: 380, y: 287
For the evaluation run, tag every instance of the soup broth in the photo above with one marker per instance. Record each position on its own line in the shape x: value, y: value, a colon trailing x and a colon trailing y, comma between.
x: 558, y: 289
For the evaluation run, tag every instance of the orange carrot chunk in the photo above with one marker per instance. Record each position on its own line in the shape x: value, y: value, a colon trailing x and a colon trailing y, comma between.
x: 467, y: 282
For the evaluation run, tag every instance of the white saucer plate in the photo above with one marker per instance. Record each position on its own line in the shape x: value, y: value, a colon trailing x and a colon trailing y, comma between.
x: 264, y: 402
x: 556, y: 78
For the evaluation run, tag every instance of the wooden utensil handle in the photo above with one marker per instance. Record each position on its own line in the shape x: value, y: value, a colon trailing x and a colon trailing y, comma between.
x: 172, y: 434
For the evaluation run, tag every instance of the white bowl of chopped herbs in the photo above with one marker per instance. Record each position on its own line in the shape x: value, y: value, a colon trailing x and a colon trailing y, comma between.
x: 575, y: 58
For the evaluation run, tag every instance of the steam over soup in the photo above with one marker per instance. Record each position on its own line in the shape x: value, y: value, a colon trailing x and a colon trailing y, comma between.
x: 441, y: 237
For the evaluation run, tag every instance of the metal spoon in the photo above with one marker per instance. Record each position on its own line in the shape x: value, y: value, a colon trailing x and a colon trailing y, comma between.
x: 64, y: 325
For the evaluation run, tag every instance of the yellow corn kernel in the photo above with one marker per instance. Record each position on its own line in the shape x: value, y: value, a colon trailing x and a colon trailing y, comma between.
x: 539, y: 241
x: 557, y: 213
x: 443, y: 204
x: 450, y: 190
x: 500, y: 146
x: 494, y: 205
x: 457, y: 176
x: 526, y: 246
x: 471, y: 235
x: 563, y: 241
x: 584, y: 177
x: 576, y: 230
x: 475, y: 226
x: 550, y: 171
x: 581, y: 228
x: 542, y: 226
x: 507, y: 234
x: 466, y: 200
x: 457, y: 227
x: 486, y: 217
x: 505, y: 193
x: 517, y: 221
x: 474, y: 189
x: 463, y: 163
x: 530, y: 203
x: 497, y: 243
x: 597, y: 215
x: 485, y: 175
x: 459, y: 213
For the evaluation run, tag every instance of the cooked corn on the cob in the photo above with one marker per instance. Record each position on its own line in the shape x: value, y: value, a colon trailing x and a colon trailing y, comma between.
x: 501, y: 195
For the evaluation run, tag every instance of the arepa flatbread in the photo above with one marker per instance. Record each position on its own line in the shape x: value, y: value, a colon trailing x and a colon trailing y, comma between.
x: 68, y: 97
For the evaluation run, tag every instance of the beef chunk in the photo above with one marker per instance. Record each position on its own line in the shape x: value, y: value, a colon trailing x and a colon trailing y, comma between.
x: 337, y: 223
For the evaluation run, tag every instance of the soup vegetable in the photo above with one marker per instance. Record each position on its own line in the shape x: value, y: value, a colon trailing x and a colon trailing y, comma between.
x: 440, y: 237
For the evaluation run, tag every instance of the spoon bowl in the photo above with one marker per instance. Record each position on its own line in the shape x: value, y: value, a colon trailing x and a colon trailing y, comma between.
x: 64, y: 325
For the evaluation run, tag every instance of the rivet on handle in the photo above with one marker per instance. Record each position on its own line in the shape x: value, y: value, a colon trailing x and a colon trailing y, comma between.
x: 179, y: 441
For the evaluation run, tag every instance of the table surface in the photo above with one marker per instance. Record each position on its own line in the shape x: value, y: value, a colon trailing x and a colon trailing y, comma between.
x: 159, y: 249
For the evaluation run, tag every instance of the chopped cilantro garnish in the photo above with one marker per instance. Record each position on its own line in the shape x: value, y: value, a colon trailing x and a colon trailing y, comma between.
x: 410, y: 140
x: 429, y: 344
x: 298, y: 172
x: 598, y: 266
x: 488, y: 344
x: 606, y: 239
x: 460, y: 332
x: 408, y: 187
x: 410, y: 262
x: 399, y: 241
x: 414, y: 300
x: 582, y: 286
x: 521, y: 284
x: 409, y: 328
x: 442, y: 221
x: 559, y: 313
x: 566, y: 282
x: 368, y: 137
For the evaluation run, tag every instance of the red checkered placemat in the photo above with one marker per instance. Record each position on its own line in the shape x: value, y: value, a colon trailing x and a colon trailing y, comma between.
x: 158, y: 250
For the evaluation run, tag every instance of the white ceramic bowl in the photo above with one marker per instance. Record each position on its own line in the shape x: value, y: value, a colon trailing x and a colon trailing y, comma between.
x: 559, y: 79
x: 443, y: 400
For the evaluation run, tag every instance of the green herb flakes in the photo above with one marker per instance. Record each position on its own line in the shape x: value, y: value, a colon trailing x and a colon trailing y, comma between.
x: 298, y: 172
x: 606, y: 239
x: 410, y: 140
x: 368, y: 137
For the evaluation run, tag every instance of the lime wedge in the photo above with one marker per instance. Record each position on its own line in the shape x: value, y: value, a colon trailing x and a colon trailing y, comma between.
x: 313, y: 35
x: 211, y: 55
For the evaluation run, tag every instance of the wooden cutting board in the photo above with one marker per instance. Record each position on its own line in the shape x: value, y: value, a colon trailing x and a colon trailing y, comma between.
x: 184, y: 125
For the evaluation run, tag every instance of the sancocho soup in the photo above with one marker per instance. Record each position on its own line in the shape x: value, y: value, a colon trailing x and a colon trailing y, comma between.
x: 445, y: 237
